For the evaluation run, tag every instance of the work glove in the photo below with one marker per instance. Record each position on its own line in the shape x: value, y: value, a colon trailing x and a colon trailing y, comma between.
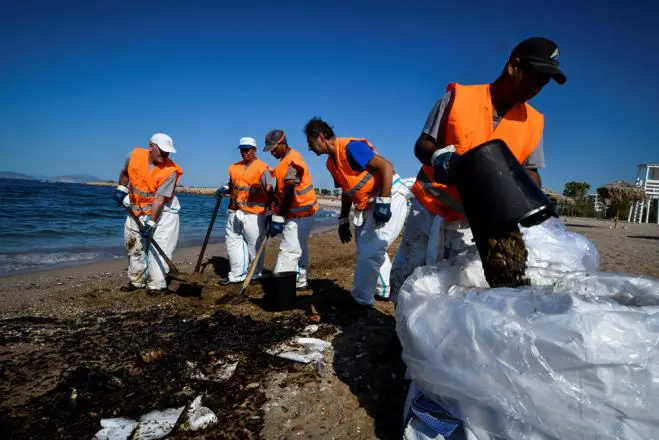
x: 276, y: 225
x: 382, y: 210
x: 344, y: 230
x: 441, y: 161
x: 120, y: 194
x: 221, y: 191
x: 148, y: 228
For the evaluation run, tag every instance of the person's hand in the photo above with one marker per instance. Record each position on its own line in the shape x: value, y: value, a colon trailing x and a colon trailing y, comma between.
x: 382, y: 210
x: 441, y: 160
x: 120, y: 194
x: 276, y: 225
x: 221, y: 191
x: 344, y: 230
x: 148, y: 228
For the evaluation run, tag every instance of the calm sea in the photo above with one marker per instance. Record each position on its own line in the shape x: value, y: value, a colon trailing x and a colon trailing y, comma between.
x: 45, y: 225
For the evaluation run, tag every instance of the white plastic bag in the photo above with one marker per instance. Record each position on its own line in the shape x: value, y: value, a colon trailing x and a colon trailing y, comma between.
x: 574, y: 356
x: 551, y: 244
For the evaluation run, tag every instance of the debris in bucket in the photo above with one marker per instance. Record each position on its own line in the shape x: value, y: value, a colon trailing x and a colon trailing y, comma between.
x: 505, y: 261
x: 158, y: 424
x: 302, y: 348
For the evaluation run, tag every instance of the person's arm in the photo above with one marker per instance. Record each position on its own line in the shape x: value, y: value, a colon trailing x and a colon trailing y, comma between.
x: 535, y: 161
x: 434, y: 130
x: 383, y: 167
x: 289, y: 195
x: 346, y: 205
x: 122, y: 189
x: 163, y: 195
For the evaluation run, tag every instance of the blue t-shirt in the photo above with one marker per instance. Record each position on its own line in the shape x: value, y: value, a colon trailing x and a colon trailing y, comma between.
x: 359, y: 154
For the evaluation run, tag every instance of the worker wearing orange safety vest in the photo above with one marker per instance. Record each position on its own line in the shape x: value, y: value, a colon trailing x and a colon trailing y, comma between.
x: 250, y: 185
x: 466, y: 117
x: 369, y: 183
x: 295, y: 207
x: 147, y: 184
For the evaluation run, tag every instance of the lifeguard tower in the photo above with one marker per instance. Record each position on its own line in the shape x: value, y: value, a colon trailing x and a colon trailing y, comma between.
x: 647, y: 178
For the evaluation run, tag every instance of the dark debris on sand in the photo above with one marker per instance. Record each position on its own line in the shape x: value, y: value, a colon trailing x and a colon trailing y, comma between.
x: 110, y: 370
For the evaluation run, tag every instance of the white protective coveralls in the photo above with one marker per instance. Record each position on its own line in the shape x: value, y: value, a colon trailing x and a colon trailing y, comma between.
x: 294, y: 249
x: 245, y: 232
x: 148, y: 268
x: 373, y: 264
x: 427, y: 240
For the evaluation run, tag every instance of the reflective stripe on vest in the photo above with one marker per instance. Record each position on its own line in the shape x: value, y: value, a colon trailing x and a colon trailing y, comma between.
x: 140, y: 193
x: 250, y: 189
x: 303, y: 208
x: 367, y: 177
x: 304, y: 191
x: 250, y: 204
x: 428, y: 187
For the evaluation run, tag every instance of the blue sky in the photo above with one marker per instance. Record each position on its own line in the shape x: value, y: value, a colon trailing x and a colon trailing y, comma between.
x: 81, y: 83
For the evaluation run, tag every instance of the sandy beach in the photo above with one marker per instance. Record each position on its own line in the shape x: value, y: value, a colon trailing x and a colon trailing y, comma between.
x: 72, y: 328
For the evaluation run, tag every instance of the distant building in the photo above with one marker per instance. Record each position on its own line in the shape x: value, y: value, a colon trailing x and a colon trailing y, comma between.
x: 598, y: 205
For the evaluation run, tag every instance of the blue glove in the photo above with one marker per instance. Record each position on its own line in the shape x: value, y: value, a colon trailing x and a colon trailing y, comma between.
x: 148, y: 228
x: 382, y: 210
x: 276, y: 225
x: 120, y: 194
x: 441, y: 160
x: 221, y: 191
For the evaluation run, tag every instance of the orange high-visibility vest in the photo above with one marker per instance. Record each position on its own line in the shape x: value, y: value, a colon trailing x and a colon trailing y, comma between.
x: 360, y: 185
x: 144, y: 182
x: 247, y: 193
x: 468, y: 125
x: 304, y: 200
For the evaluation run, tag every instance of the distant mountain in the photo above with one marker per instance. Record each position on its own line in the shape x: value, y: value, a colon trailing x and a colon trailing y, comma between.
x: 12, y: 175
x: 72, y: 178
x: 76, y: 178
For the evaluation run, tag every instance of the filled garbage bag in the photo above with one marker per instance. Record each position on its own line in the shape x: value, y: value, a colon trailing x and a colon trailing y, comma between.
x: 573, y: 356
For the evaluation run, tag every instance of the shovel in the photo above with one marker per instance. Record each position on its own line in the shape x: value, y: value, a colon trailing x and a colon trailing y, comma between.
x: 173, y: 270
x: 234, y: 298
x: 208, y: 234
x: 254, y: 263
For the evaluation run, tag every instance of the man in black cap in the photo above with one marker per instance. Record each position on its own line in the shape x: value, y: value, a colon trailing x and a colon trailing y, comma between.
x: 468, y: 116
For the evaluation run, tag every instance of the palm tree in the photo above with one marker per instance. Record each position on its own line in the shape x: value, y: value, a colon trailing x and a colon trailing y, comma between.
x: 619, y: 194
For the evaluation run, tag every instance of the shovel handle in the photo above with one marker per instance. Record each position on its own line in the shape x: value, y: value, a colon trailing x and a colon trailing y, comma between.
x: 170, y: 263
x: 208, y: 235
x: 254, y: 263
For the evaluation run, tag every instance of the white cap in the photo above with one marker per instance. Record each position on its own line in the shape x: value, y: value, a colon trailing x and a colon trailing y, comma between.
x: 164, y: 142
x: 247, y: 142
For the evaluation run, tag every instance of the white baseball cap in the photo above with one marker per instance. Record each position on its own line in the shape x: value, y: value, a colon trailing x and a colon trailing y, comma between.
x: 247, y: 142
x: 164, y: 142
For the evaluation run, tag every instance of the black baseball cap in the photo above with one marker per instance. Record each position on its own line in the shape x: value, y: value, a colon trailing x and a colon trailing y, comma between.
x: 542, y: 55
x: 274, y: 138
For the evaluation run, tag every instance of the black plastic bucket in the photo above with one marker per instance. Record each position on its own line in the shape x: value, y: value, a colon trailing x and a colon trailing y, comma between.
x: 496, y: 191
x: 279, y: 290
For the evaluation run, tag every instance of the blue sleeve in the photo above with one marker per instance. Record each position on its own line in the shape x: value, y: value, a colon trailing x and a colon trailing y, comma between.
x: 359, y: 154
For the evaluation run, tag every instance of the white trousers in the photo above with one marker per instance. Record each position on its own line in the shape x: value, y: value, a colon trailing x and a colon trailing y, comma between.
x: 373, y: 264
x: 244, y: 234
x: 427, y: 240
x: 149, y: 269
x: 294, y: 250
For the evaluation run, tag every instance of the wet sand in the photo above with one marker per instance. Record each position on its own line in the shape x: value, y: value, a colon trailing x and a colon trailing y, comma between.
x: 72, y: 328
